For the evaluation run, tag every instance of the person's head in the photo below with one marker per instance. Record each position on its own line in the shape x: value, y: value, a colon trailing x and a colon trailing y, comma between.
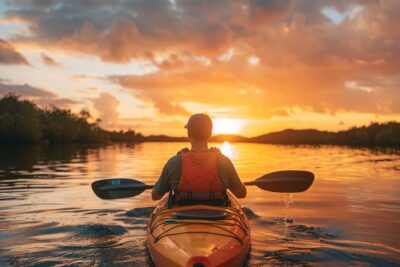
x: 199, y: 127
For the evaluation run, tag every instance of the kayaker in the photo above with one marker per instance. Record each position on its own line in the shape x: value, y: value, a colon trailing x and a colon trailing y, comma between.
x: 199, y: 173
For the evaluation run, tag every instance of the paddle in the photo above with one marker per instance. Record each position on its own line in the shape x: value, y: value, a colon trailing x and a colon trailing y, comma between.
x: 280, y: 181
x: 284, y: 181
x: 118, y: 188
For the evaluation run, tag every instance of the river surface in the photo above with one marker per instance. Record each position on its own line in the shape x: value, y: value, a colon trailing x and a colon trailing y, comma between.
x: 50, y: 217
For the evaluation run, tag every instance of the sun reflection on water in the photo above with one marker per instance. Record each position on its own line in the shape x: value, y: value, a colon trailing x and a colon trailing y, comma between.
x: 226, y: 149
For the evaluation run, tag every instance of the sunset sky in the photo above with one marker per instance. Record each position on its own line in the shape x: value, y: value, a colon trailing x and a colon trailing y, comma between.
x: 255, y: 66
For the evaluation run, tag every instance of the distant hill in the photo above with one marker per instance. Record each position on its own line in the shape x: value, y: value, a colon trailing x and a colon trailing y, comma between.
x: 214, y: 138
x: 229, y: 138
x: 290, y: 136
x: 376, y: 134
x: 164, y: 138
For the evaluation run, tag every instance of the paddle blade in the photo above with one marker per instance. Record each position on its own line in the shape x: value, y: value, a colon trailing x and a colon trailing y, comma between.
x: 118, y: 188
x: 285, y: 181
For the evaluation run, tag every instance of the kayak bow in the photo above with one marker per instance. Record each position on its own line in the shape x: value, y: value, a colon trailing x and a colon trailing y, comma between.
x: 198, y: 235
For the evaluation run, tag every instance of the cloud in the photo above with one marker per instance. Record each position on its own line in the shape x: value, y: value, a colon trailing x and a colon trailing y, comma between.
x: 241, y: 85
x: 24, y: 90
x: 83, y: 77
x: 305, y: 61
x: 139, y: 29
x: 146, y: 29
x: 65, y: 103
x: 8, y: 55
x: 107, y: 108
x: 42, y: 97
x: 49, y: 61
x: 263, y: 11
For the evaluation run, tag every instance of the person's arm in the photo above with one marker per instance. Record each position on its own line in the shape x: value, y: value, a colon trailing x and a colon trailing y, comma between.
x: 169, y: 176
x: 240, y: 192
x: 162, y: 185
x: 235, y: 185
x: 155, y: 195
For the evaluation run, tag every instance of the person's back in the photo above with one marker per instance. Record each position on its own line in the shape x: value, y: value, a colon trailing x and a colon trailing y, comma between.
x: 199, y: 174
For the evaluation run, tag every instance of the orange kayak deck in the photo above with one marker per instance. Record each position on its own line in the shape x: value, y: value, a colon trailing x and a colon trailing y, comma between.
x: 179, y: 241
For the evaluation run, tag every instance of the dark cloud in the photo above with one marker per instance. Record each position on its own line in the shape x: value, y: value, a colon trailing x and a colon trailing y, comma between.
x: 24, y: 90
x: 49, y: 61
x: 42, y: 97
x: 8, y: 55
x: 263, y: 11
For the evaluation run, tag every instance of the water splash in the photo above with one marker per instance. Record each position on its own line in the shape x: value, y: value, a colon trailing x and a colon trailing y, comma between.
x: 288, y: 198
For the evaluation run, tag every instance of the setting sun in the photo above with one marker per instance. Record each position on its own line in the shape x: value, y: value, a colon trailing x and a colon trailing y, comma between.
x: 227, y: 126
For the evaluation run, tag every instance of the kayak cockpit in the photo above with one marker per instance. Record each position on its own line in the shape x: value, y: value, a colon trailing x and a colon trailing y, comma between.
x: 201, y: 214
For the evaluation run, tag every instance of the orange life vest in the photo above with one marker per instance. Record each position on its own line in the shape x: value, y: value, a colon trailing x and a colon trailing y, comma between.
x: 199, y: 180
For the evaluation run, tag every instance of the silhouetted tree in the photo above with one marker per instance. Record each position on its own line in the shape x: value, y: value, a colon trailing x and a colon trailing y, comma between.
x: 22, y: 121
x: 19, y: 120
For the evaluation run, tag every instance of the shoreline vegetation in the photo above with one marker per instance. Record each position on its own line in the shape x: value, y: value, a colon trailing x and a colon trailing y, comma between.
x: 22, y: 121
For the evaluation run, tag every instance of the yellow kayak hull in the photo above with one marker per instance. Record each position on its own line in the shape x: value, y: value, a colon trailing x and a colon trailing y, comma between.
x: 200, y: 241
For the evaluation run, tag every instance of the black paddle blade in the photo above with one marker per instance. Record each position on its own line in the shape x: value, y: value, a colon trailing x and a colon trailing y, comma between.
x: 285, y: 181
x: 118, y: 188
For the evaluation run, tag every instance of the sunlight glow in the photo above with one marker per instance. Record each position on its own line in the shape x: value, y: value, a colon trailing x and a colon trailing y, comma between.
x: 253, y: 60
x: 227, y: 126
x: 226, y: 149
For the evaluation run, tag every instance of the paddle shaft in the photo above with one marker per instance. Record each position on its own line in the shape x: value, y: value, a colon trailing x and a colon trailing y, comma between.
x: 125, y: 187
x: 139, y: 187
x: 144, y: 186
x: 285, y: 179
x: 280, y: 181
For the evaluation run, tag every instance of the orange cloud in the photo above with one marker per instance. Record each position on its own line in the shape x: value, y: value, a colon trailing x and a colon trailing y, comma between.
x: 263, y: 92
x: 305, y: 60
x: 107, y: 108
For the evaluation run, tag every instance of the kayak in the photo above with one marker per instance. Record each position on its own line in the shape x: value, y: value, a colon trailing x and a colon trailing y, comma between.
x: 198, y: 235
x: 201, y: 235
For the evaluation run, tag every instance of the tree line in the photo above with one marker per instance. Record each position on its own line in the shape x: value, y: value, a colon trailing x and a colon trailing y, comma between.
x: 375, y: 134
x: 21, y: 121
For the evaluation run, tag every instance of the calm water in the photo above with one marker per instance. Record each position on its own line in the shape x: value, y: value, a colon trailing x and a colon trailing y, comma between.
x: 50, y: 217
